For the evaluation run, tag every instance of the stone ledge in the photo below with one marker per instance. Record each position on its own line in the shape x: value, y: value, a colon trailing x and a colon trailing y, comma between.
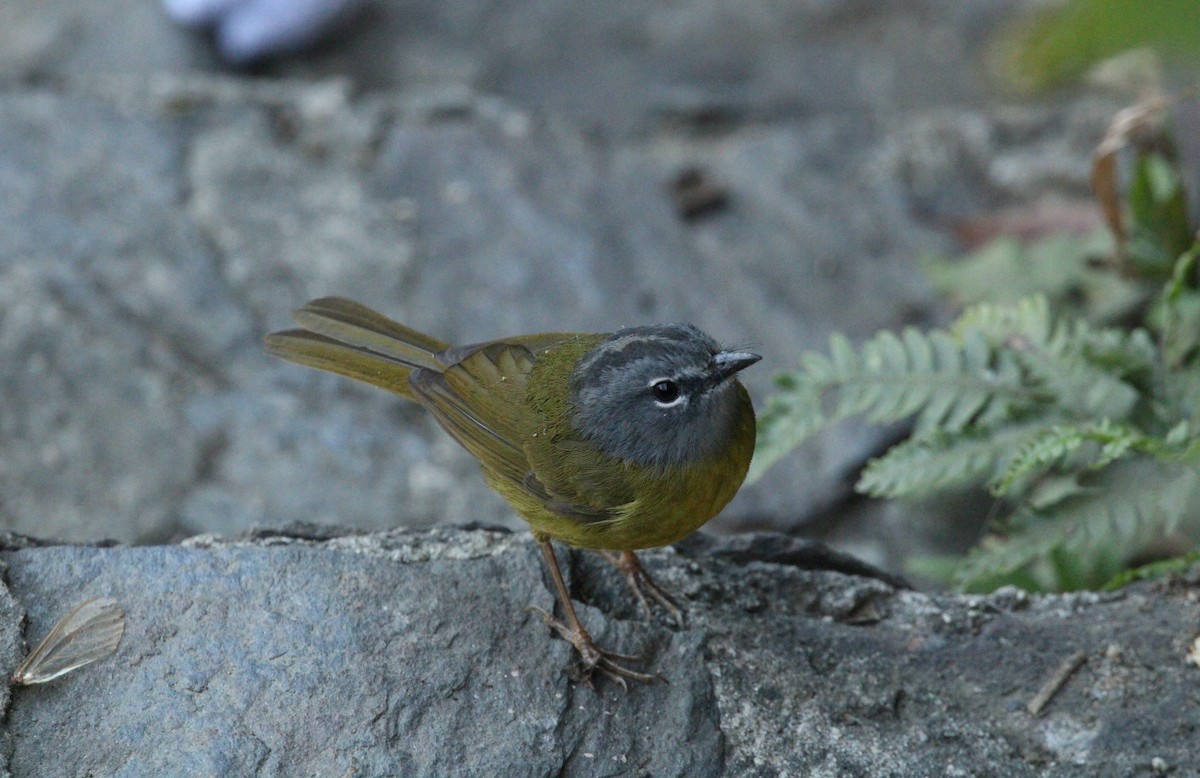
x: 413, y: 653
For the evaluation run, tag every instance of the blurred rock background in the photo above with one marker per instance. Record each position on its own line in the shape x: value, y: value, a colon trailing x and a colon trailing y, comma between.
x: 474, y: 170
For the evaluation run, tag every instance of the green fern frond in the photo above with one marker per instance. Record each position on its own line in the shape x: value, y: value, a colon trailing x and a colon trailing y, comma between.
x: 1177, y: 314
x: 947, y: 384
x: 1051, y: 489
x: 1028, y: 321
x: 1080, y: 367
x: 996, y: 560
x: 1153, y: 570
x: 994, y: 364
x: 1040, y: 454
x: 1061, y: 266
x: 926, y: 465
x: 1054, y: 444
x: 1179, y: 395
x: 1082, y: 388
x: 790, y: 418
x: 1129, y: 506
x: 1128, y: 354
x: 1091, y: 430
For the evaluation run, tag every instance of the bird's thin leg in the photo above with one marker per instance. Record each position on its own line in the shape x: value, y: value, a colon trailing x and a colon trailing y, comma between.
x: 594, y: 657
x: 644, y: 587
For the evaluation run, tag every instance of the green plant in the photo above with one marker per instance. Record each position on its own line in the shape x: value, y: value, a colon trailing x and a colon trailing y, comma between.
x: 1064, y: 39
x: 1084, y: 430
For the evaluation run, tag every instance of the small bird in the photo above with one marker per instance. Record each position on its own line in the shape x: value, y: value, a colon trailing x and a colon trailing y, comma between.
x: 610, y: 441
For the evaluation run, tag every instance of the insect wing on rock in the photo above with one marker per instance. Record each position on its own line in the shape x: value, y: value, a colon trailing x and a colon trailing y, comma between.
x: 87, y: 634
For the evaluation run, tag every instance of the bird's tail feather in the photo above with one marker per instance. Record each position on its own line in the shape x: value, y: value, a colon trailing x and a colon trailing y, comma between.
x: 341, y: 336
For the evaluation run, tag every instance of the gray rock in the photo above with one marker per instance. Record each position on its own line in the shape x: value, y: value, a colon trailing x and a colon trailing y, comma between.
x: 97, y: 277
x: 52, y: 40
x: 632, y: 68
x: 156, y: 228
x: 474, y: 171
x: 12, y: 619
x: 479, y: 170
x: 413, y: 654
x: 625, y: 67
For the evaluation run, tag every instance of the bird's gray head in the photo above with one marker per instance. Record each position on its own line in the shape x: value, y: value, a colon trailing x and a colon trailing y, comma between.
x: 658, y: 395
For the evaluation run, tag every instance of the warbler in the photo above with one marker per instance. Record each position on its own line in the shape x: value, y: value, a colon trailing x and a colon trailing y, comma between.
x: 611, y: 441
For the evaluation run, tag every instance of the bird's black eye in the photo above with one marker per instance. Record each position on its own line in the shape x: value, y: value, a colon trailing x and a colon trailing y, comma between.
x: 665, y: 392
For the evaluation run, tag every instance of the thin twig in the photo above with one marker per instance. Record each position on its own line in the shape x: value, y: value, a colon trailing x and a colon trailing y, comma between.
x: 1055, y: 682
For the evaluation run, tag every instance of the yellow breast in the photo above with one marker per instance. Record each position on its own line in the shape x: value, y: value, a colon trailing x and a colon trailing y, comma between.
x: 665, y: 505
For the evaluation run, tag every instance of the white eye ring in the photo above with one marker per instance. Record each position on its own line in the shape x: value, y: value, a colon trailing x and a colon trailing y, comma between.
x: 667, y: 393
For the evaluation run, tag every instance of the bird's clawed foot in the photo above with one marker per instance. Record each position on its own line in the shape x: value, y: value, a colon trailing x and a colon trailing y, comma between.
x: 644, y: 587
x: 596, y: 659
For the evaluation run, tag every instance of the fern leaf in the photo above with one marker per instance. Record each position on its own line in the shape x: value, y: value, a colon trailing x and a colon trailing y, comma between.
x: 1026, y: 322
x: 1038, y: 455
x: 1153, y: 570
x: 1060, y: 266
x: 947, y: 384
x: 898, y: 377
x: 925, y: 465
x: 789, y: 419
x: 1081, y: 388
x: 1179, y: 310
x: 1122, y: 353
x: 1054, y: 444
x: 1181, y: 393
x: 1079, y: 370
x: 1127, y: 508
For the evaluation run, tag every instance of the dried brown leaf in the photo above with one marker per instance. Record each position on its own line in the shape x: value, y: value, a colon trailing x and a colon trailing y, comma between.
x: 1127, y: 125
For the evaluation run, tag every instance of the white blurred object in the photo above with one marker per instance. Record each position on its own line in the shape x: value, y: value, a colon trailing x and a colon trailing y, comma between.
x: 249, y: 29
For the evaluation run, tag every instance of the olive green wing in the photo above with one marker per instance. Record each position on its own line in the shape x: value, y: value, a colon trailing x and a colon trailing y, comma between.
x: 533, y: 344
x: 481, y: 400
x: 580, y: 482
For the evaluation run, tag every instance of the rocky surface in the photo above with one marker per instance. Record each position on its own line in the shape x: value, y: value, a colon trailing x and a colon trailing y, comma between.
x: 483, y: 169
x: 413, y: 653
x: 475, y: 170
